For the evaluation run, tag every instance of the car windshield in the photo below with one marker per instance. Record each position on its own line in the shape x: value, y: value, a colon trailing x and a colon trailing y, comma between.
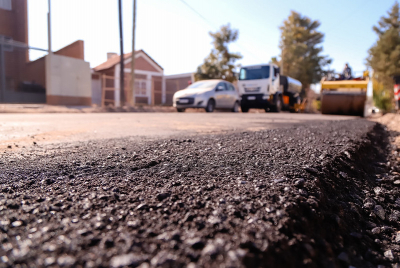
x: 253, y: 73
x: 203, y: 84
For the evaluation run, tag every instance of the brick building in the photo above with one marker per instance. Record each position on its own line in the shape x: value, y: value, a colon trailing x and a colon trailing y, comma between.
x: 62, y: 77
x: 152, y: 87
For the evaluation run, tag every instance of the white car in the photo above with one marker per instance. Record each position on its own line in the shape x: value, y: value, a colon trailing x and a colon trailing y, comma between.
x: 207, y: 94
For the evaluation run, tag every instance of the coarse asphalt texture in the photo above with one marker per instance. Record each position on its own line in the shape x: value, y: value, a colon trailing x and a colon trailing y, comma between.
x: 303, y: 196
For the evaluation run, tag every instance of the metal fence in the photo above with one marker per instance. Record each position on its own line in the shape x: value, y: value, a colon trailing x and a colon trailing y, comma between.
x: 21, y: 80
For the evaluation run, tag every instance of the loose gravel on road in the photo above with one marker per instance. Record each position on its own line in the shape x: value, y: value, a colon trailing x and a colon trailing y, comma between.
x: 319, y: 195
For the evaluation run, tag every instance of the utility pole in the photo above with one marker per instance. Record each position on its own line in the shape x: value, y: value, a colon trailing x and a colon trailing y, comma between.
x: 133, y: 99
x: 2, y: 71
x: 49, y: 27
x: 121, y: 44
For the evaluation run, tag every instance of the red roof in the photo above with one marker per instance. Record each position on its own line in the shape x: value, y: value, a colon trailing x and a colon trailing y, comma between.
x: 111, y: 62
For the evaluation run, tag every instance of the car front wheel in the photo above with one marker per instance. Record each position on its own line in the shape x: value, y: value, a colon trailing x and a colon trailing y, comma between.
x: 180, y: 110
x: 210, y: 106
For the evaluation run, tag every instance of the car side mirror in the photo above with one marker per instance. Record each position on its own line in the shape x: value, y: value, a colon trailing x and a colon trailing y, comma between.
x: 220, y: 88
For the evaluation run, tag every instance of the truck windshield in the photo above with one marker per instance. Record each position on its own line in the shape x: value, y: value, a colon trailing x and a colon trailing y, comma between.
x: 253, y: 73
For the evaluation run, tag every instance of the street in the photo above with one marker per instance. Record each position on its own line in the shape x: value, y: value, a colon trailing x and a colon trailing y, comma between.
x: 191, y: 134
x: 207, y: 190
x: 24, y: 129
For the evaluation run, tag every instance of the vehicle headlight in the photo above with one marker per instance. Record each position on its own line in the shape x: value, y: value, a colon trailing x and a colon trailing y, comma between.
x: 200, y: 96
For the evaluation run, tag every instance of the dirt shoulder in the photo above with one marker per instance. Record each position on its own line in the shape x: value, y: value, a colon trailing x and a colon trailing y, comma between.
x: 392, y: 122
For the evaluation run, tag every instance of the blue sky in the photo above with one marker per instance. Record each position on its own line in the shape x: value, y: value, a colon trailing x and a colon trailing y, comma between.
x: 177, y: 37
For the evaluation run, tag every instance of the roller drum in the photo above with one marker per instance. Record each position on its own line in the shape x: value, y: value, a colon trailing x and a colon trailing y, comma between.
x: 343, y: 103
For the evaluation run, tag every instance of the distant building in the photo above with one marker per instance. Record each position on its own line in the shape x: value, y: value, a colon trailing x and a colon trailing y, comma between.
x: 152, y: 87
x: 148, y: 78
x: 62, y: 78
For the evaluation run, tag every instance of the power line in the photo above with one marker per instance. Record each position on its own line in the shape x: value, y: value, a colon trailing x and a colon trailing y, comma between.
x: 201, y: 16
x: 214, y: 26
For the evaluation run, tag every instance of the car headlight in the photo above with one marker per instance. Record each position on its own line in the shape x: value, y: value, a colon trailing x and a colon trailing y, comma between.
x: 200, y: 96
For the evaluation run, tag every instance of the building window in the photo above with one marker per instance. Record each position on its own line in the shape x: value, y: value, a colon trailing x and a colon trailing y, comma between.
x: 140, y: 87
x: 5, y: 4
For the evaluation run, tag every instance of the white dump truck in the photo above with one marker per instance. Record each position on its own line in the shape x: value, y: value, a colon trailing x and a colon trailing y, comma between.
x: 261, y: 87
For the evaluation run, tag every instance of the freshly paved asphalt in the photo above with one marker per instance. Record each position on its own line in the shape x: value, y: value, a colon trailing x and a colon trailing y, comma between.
x: 151, y: 190
x: 300, y: 196
x: 18, y: 130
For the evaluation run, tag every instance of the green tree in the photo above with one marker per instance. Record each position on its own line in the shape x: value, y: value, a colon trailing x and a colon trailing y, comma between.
x: 383, y: 98
x: 274, y: 60
x: 301, y: 49
x: 384, y: 57
x: 220, y: 63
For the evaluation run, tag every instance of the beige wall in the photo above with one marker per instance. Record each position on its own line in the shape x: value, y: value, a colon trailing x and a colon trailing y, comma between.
x: 68, y: 81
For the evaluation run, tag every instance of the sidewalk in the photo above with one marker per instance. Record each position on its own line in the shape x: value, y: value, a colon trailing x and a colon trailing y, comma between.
x: 45, y: 108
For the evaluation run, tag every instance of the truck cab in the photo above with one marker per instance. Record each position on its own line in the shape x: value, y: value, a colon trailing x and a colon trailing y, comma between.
x: 259, y: 87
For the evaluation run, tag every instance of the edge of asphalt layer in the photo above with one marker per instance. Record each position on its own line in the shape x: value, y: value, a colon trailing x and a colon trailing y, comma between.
x: 327, y: 218
x: 337, y: 223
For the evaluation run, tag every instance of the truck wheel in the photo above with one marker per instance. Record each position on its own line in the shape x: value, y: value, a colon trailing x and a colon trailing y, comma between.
x: 278, y: 104
x: 245, y: 109
x: 210, y: 106
x: 297, y: 101
x: 180, y: 110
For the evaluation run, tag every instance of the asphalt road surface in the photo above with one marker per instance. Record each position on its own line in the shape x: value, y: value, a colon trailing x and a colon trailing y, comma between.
x: 25, y: 129
x: 257, y: 190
